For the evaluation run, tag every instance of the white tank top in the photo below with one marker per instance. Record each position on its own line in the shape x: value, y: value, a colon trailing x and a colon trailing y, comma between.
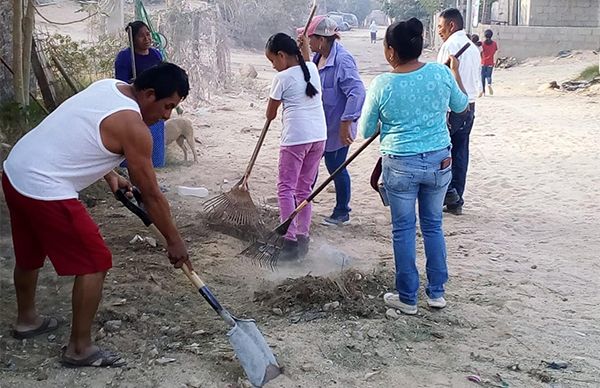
x: 64, y: 154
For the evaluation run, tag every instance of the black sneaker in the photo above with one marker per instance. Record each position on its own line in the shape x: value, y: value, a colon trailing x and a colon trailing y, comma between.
x: 452, y: 198
x: 456, y: 210
x: 289, y: 251
x: 303, y: 243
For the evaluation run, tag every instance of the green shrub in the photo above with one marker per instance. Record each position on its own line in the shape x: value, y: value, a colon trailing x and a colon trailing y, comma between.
x: 589, y: 73
x: 17, y: 120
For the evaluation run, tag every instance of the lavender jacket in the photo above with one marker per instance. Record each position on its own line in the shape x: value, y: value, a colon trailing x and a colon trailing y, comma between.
x: 343, y: 93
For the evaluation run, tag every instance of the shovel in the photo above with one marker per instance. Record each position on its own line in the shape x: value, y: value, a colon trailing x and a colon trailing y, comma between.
x: 248, y: 343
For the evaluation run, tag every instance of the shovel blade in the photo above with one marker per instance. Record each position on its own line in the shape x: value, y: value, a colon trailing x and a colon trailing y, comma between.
x: 253, y: 352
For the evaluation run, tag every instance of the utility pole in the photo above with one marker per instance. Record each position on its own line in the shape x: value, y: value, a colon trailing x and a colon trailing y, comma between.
x: 469, y: 16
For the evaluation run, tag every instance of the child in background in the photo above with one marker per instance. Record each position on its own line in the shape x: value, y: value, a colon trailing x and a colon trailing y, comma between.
x: 297, y: 85
x: 373, y: 31
x: 476, y: 42
x: 488, y: 60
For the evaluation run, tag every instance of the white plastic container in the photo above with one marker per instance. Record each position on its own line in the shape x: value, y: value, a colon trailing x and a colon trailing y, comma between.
x: 185, y: 191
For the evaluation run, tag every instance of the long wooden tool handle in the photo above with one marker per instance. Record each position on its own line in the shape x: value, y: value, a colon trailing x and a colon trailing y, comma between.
x: 132, y: 49
x: 333, y: 175
x: 259, y: 143
x: 313, y: 10
x: 458, y: 53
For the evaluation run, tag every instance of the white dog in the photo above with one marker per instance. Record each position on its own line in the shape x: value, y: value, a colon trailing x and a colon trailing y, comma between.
x: 179, y: 129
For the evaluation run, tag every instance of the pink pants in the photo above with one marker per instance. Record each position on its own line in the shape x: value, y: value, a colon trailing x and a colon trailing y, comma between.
x: 298, y: 167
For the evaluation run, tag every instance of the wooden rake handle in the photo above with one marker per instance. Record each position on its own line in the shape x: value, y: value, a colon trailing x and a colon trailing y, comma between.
x: 257, y: 147
x: 331, y: 177
x: 313, y: 10
x: 132, y: 49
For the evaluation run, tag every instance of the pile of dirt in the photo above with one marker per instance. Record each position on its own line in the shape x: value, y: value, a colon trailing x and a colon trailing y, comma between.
x: 357, y: 293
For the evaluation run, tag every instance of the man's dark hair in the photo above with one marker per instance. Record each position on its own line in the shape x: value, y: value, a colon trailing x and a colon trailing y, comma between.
x: 165, y: 78
x: 406, y: 38
x: 453, y: 15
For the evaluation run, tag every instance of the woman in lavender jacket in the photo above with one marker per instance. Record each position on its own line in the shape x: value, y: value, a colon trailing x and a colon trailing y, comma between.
x: 343, y: 97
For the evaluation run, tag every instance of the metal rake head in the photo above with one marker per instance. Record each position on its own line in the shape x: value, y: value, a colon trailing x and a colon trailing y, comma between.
x: 234, y: 207
x: 266, y: 252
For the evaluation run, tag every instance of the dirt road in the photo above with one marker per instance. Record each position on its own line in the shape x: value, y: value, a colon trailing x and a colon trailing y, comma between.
x: 523, y: 261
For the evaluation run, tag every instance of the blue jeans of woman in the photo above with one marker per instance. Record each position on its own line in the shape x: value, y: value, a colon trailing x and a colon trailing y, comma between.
x: 486, y: 75
x: 333, y: 160
x: 410, y: 180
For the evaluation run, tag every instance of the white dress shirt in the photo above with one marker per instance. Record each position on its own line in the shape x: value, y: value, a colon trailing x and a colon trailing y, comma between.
x: 470, y: 62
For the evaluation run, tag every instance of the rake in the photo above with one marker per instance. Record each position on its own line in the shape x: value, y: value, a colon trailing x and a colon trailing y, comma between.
x: 236, y: 207
x: 265, y: 252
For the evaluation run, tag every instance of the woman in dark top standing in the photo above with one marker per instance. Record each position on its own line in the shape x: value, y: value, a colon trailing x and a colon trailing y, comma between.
x: 146, y: 57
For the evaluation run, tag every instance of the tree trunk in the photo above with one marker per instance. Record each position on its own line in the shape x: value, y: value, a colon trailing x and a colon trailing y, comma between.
x: 28, y: 22
x: 17, y: 51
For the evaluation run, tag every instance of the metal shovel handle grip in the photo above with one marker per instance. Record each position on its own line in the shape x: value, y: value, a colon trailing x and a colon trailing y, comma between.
x: 121, y: 196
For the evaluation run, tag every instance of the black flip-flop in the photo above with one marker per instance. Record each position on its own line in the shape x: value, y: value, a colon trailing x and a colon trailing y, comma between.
x: 48, y: 324
x: 100, y: 358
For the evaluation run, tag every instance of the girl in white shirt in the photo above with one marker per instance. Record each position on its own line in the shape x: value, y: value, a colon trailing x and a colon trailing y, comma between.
x: 297, y: 85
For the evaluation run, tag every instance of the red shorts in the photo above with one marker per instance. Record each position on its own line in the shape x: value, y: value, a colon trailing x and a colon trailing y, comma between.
x: 62, y: 230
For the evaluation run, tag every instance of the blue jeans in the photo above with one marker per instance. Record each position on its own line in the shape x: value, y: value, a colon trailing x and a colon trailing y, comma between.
x: 460, y: 125
x: 486, y: 74
x: 411, y: 179
x: 333, y: 160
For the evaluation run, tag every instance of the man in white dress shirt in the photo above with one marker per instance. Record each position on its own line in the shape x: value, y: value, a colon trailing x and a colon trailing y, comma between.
x: 450, y: 29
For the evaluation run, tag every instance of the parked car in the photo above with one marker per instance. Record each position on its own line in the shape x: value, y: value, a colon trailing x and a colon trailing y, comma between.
x: 339, y: 20
x: 350, y: 19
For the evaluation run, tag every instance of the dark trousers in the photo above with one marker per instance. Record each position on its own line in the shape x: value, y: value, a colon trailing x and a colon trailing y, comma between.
x: 342, y: 181
x: 460, y: 125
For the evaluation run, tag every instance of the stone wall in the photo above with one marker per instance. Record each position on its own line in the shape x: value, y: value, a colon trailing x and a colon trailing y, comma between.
x: 5, y: 49
x: 528, y: 41
x: 564, y: 13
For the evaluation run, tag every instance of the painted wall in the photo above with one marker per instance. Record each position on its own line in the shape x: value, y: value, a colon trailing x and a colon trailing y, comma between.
x: 530, y: 41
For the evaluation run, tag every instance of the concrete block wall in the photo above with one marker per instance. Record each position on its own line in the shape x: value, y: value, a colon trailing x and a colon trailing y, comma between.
x: 529, y: 41
x: 564, y: 13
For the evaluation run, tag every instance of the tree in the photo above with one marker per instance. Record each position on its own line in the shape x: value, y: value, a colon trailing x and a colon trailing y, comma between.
x: 420, y: 9
x: 424, y: 10
x: 17, y: 50
x: 22, y: 36
x: 402, y: 10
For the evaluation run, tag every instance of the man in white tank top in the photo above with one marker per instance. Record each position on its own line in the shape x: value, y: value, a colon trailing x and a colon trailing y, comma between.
x: 77, y: 144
